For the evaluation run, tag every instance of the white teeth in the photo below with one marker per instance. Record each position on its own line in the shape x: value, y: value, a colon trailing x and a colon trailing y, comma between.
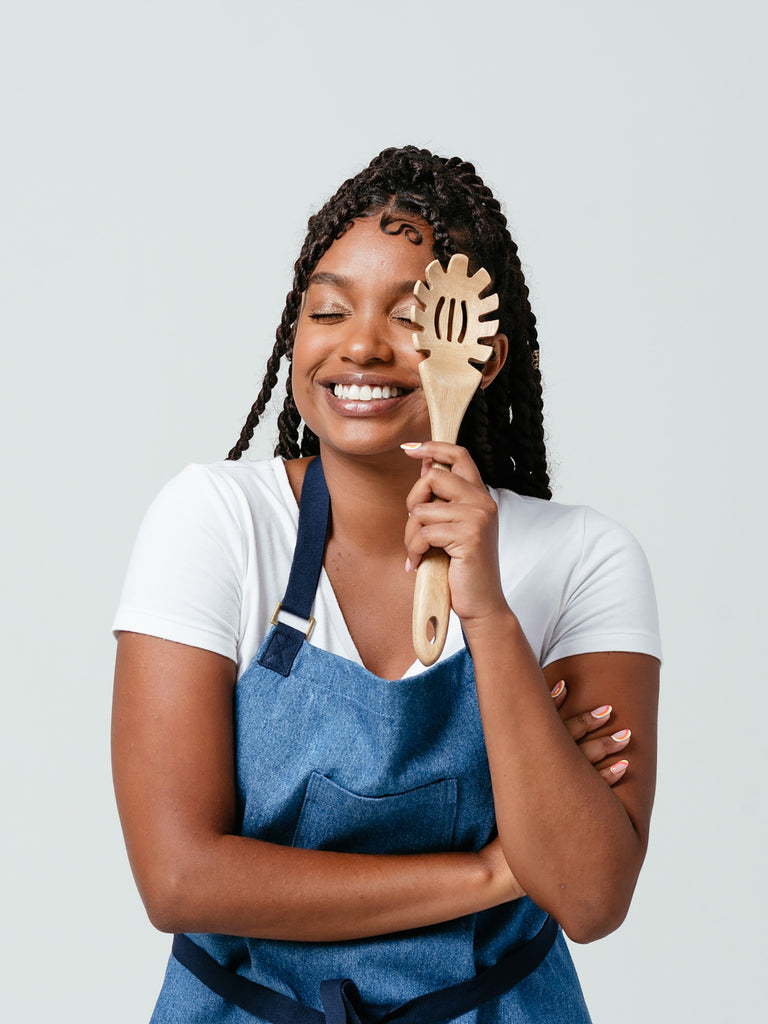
x: 354, y: 393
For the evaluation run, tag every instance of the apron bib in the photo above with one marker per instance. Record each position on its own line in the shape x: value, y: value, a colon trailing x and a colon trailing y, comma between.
x: 332, y: 757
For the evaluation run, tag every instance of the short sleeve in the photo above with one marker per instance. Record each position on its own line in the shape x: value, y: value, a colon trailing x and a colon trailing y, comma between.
x: 610, y: 603
x: 185, y: 575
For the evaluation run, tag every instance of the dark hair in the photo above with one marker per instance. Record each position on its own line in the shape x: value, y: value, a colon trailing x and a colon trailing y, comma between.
x: 503, y: 429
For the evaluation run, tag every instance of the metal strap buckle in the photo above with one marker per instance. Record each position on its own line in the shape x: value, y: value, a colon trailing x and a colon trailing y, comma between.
x: 311, y: 621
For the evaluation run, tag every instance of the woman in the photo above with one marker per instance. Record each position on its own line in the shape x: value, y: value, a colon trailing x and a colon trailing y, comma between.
x: 333, y: 833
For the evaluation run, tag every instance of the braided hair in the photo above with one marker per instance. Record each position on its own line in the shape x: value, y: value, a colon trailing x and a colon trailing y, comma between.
x: 503, y: 429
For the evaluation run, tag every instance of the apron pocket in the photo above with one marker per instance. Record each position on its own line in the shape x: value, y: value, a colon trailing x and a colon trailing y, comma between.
x: 420, y: 820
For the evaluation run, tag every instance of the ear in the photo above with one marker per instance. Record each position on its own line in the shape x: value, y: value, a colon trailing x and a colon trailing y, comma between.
x: 490, y: 369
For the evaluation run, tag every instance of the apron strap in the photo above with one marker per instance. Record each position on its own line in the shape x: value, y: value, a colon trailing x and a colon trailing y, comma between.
x: 285, y: 640
x: 234, y: 988
x: 341, y: 1000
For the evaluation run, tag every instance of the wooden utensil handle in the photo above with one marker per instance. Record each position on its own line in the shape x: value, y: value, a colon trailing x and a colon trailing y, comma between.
x: 431, y: 601
x: 431, y: 606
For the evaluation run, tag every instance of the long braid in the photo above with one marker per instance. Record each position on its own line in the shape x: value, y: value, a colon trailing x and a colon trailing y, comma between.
x: 288, y: 424
x: 503, y: 428
x: 282, y: 345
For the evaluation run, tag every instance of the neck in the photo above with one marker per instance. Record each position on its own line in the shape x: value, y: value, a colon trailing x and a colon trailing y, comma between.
x: 368, y: 497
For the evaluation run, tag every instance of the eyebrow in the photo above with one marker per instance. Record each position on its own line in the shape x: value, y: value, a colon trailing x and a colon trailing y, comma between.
x: 326, y: 277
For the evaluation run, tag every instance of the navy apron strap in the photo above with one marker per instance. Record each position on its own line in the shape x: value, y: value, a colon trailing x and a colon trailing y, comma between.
x: 248, y: 995
x: 341, y: 1000
x: 285, y: 640
x: 449, y: 1003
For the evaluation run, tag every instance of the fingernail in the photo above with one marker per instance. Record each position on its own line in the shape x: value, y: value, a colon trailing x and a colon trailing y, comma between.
x: 624, y: 734
x: 407, y: 565
x: 411, y: 446
x: 558, y: 688
x: 602, y: 712
x: 619, y: 768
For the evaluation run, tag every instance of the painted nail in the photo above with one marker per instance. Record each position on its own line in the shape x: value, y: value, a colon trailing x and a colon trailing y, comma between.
x: 407, y: 565
x: 619, y: 768
x: 602, y: 712
x: 411, y: 446
x: 624, y: 734
x: 558, y: 688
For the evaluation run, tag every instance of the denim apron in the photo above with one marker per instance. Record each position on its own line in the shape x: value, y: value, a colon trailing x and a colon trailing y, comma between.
x: 332, y: 757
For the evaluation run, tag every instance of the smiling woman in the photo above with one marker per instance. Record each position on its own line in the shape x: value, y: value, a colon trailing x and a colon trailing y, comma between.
x: 301, y: 801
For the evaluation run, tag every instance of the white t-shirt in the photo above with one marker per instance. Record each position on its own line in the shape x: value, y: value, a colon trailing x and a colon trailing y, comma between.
x: 214, y: 551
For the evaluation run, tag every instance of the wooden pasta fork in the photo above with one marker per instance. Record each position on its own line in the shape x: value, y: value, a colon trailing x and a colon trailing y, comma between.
x: 451, y: 329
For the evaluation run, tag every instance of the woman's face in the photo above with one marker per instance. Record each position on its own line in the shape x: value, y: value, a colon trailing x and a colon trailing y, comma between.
x: 355, y: 371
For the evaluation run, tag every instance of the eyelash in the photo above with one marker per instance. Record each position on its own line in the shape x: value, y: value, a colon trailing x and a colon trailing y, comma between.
x: 325, y: 317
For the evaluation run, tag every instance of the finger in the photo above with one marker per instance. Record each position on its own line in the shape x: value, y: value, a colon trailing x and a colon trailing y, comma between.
x: 446, y: 454
x: 615, y: 773
x: 559, y: 693
x: 457, y: 537
x: 449, y: 487
x: 580, y: 725
x: 599, y: 748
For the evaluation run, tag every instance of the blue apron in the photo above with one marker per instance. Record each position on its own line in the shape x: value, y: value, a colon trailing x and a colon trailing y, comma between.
x: 332, y: 757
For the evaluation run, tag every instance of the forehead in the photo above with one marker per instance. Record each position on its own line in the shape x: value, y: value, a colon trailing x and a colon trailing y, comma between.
x: 366, y: 251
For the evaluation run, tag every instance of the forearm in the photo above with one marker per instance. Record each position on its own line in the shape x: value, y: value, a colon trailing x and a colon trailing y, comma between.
x: 235, y: 885
x: 567, y: 837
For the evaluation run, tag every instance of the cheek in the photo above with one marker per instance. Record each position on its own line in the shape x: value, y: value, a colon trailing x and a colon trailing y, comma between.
x: 301, y: 386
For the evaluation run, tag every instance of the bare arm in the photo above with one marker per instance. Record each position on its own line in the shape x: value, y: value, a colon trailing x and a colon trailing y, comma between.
x: 174, y: 780
x: 575, y: 844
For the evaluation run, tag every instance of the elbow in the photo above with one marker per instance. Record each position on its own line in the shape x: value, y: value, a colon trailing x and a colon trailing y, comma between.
x: 165, y: 901
x: 590, y: 918
x: 588, y: 910
x: 588, y: 927
x: 170, y: 895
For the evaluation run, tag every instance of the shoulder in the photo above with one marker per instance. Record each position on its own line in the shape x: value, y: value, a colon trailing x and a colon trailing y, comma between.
x: 206, y: 553
x: 228, y: 490
x: 227, y: 478
x: 586, y: 574
x: 551, y: 524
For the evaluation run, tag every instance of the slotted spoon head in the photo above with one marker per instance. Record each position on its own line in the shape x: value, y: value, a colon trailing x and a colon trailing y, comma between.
x: 451, y: 329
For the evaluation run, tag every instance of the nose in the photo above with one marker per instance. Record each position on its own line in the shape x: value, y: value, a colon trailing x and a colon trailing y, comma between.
x: 366, y: 341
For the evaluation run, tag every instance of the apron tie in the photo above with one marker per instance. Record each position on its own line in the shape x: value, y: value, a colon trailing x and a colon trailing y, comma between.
x: 340, y: 998
x: 341, y: 1002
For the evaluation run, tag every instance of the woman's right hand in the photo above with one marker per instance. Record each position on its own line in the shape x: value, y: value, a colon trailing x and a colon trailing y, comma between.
x: 598, y: 750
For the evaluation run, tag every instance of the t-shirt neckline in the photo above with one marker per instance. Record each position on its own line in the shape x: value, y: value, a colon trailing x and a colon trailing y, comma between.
x: 454, y: 640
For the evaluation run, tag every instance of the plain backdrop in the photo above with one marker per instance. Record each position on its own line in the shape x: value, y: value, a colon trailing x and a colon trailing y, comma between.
x: 159, y: 161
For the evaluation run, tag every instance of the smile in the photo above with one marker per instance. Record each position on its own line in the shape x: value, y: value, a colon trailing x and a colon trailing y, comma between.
x: 355, y: 393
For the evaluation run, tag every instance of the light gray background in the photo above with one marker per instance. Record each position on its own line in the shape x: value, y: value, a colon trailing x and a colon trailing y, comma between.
x: 159, y: 163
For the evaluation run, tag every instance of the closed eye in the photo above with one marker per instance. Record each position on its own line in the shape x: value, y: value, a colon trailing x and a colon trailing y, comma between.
x: 404, y: 318
x: 327, y: 317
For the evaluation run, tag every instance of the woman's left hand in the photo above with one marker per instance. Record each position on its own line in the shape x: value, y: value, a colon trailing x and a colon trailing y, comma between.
x: 598, y: 750
x: 464, y: 522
